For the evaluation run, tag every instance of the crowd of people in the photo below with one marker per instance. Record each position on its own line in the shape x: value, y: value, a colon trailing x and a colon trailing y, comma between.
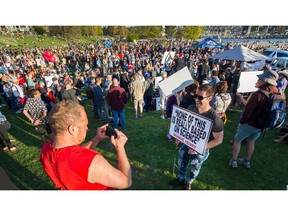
x: 50, y: 91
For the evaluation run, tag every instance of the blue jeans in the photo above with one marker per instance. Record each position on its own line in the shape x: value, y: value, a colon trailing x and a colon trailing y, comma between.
x: 122, y: 118
x: 196, y: 163
x: 102, y: 106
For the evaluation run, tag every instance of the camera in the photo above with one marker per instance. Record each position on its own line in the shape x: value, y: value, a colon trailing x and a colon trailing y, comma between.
x: 110, y: 132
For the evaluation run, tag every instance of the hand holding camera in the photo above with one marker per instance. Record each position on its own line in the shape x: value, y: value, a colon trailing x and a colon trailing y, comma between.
x: 110, y: 132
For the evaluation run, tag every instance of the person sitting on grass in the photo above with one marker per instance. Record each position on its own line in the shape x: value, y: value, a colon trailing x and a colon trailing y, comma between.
x: 5, y: 141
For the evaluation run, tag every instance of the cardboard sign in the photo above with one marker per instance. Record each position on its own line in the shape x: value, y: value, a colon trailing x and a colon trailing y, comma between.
x: 190, y: 128
x: 176, y: 82
x: 247, y: 81
x: 166, y: 58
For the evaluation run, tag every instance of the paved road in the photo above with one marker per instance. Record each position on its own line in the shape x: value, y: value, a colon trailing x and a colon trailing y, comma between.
x: 5, y: 182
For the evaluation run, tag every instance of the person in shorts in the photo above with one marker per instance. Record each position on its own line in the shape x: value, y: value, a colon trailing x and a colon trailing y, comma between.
x: 36, y: 112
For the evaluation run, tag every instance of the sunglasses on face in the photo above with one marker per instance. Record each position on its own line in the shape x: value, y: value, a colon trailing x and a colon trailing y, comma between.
x: 200, y: 97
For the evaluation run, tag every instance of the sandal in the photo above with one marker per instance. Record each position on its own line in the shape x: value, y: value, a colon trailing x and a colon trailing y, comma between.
x: 5, y: 148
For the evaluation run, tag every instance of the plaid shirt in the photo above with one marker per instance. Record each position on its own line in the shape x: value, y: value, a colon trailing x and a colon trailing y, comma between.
x: 36, y: 109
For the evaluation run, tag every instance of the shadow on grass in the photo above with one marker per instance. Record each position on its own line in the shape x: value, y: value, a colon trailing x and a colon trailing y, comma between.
x: 22, y: 177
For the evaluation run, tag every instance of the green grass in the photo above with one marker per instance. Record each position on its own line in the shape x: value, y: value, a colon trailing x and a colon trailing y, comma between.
x: 42, y: 41
x: 152, y: 157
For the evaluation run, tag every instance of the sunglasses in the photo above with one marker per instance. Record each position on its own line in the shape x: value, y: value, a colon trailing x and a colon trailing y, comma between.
x: 200, y: 97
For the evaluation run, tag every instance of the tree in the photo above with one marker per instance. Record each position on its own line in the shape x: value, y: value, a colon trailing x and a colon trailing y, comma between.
x: 191, y: 32
x: 91, y: 30
x: 40, y: 30
x: 116, y: 31
x: 147, y: 31
x: 171, y: 31
x: 65, y: 30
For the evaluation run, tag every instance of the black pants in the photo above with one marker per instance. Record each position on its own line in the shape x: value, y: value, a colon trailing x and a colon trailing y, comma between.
x: 4, y: 137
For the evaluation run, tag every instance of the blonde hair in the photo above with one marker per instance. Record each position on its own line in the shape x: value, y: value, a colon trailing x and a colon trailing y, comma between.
x: 63, y: 114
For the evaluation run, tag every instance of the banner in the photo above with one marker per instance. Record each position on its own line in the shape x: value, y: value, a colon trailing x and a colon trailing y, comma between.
x: 247, y: 81
x: 176, y: 82
x: 166, y: 58
x: 190, y: 128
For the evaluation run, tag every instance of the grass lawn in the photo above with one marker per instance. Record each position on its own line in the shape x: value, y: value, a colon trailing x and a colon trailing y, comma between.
x: 152, y: 156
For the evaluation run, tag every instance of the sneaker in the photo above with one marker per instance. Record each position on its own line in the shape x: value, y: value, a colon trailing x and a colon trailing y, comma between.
x: 188, y: 186
x: 19, y: 111
x: 162, y: 117
x: 176, y: 182
x: 233, y: 163
x: 244, y: 162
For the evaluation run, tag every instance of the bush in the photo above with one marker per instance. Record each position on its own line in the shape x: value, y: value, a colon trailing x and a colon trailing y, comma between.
x: 39, y: 30
x: 131, y: 37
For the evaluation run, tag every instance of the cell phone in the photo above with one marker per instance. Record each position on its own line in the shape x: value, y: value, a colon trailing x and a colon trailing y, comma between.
x: 110, y: 132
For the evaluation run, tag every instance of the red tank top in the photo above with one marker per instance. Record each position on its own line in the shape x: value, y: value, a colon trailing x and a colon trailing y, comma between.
x: 68, y: 167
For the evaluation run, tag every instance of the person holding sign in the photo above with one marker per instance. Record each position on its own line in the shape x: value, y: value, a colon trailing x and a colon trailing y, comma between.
x: 202, y: 107
x: 250, y: 126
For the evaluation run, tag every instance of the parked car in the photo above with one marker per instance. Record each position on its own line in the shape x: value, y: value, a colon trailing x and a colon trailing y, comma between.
x: 272, y: 54
x: 279, y: 63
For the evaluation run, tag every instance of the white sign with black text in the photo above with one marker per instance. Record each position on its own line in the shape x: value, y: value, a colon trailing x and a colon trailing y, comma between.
x: 190, y: 128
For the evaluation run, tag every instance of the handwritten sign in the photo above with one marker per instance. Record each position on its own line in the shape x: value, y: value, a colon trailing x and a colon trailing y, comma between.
x: 190, y: 128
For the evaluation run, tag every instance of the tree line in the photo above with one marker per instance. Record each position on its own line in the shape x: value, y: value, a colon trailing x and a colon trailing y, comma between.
x: 130, y: 33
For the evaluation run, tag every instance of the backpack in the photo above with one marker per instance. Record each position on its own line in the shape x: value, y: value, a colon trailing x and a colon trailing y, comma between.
x: 275, y: 114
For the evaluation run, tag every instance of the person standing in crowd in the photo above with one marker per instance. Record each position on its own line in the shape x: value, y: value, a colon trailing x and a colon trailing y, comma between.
x: 203, y: 71
x: 137, y: 92
x: 72, y: 165
x: 117, y: 99
x: 163, y: 98
x: 99, y: 100
x: 36, y: 112
x: 172, y: 100
x: 250, y: 124
x: 148, y: 93
x: 4, y: 136
x: 221, y: 100
x: 282, y: 82
x: 188, y: 99
x: 69, y: 93
x: 202, y: 107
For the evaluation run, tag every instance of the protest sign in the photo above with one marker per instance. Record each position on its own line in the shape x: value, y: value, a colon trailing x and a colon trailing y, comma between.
x: 176, y: 82
x: 247, y: 81
x: 166, y: 58
x: 190, y: 128
x: 48, y: 80
x: 156, y: 81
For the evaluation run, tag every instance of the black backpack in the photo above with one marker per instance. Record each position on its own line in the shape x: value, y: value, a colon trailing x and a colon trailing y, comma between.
x: 275, y: 113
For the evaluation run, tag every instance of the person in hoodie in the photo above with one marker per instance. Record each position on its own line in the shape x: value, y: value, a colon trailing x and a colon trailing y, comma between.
x: 221, y: 100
